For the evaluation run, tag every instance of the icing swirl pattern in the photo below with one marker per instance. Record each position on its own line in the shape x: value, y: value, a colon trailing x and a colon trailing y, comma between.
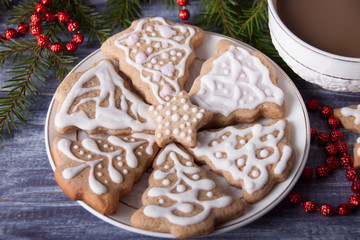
x: 110, y: 116
x: 167, y: 48
x: 237, y: 80
x: 184, y: 191
x: 245, y: 153
x: 120, y: 155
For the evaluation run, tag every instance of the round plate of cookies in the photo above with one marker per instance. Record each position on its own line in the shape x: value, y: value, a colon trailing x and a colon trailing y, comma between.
x: 171, y: 131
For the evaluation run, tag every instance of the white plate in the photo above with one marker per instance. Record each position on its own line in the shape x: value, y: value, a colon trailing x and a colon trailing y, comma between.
x: 300, y: 139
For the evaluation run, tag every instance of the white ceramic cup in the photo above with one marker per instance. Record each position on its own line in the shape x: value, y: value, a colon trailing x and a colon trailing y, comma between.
x: 330, y: 71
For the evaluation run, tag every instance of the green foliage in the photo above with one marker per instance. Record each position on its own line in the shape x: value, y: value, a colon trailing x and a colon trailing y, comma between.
x: 120, y: 13
x: 31, y: 63
x: 4, y: 4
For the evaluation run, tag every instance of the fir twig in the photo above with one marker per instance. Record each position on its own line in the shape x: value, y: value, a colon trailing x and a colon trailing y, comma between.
x: 92, y: 22
x: 4, y: 4
x: 21, y: 12
x: 15, y: 94
x: 120, y: 13
x: 220, y: 16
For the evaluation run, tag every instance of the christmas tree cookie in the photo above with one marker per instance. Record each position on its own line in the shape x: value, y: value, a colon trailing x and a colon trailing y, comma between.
x: 180, y: 198
x: 156, y: 54
x: 237, y: 86
x: 349, y: 117
x: 101, y: 170
x: 253, y: 157
x: 100, y: 101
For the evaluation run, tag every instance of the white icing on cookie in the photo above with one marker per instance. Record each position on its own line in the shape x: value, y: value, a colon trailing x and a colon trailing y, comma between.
x: 109, y: 117
x: 237, y: 156
x: 89, y: 144
x: 169, y: 39
x: 355, y: 112
x: 237, y: 80
x: 184, y: 197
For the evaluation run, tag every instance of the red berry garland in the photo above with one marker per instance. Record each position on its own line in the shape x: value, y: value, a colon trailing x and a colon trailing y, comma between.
x: 35, y: 28
x: 184, y: 14
x: 333, y: 147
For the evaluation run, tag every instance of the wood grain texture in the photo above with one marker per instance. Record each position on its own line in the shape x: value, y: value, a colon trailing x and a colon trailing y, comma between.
x: 32, y: 206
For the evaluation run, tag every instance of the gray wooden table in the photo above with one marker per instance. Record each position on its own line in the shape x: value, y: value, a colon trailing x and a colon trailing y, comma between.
x: 32, y: 206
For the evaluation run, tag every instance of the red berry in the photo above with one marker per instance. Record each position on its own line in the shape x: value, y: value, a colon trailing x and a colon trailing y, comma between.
x: 346, y: 161
x: 71, y: 46
x: 182, y: 3
x: 10, y: 33
x: 43, y: 41
x: 78, y: 38
x: 73, y: 26
x: 40, y: 8
x: 307, y: 173
x: 36, y: 30
x: 312, y: 104
x: 46, y: 2
x: 330, y: 149
x: 322, y: 171
x: 336, y: 135
x: 333, y: 122
x: 36, y: 18
x: 327, y: 210
x: 313, y: 133
x: 352, y: 174
x: 344, y: 209
x: 310, y: 206
x: 49, y: 16
x: 184, y: 14
x: 63, y: 17
x: 326, y: 111
x: 332, y: 163
x: 295, y: 198
x: 354, y: 200
x: 56, y: 47
x: 323, y: 138
x: 355, y: 187
x: 1, y: 36
x: 342, y: 147
x: 23, y: 27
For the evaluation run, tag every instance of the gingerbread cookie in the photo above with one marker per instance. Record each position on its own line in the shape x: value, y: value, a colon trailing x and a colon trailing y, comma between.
x: 237, y: 86
x: 101, y: 170
x: 357, y: 154
x: 253, y: 157
x: 181, y: 199
x: 156, y: 54
x: 100, y: 101
x: 349, y: 117
x: 178, y: 120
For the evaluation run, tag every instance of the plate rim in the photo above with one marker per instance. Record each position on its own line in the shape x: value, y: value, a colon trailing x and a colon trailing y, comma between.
x: 219, y: 230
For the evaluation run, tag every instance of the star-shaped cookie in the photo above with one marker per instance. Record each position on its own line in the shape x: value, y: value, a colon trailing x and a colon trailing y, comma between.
x: 178, y: 120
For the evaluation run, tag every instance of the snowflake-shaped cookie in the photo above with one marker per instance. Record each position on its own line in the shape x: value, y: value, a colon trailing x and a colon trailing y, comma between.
x: 178, y: 120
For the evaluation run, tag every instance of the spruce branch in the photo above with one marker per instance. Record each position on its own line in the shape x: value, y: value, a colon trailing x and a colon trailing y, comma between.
x: 120, y: 13
x: 15, y: 49
x: 219, y: 16
x: 92, y: 22
x: 21, y: 12
x: 4, y: 4
x: 26, y: 75
x: 253, y: 19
